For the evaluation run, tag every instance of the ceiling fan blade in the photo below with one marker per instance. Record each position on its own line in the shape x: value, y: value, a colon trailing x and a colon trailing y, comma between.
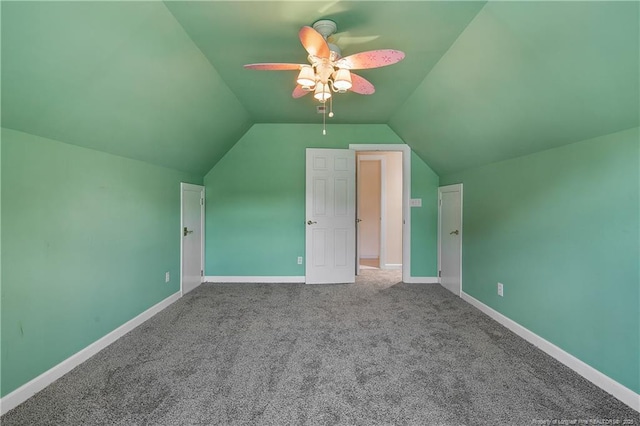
x: 298, y: 92
x: 273, y: 67
x: 361, y: 85
x: 314, y: 43
x: 371, y: 59
x: 344, y: 39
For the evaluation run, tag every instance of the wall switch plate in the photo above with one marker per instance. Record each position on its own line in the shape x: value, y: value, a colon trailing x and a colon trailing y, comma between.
x: 416, y: 202
x: 167, y: 277
x: 500, y: 290
x: 299, y: 260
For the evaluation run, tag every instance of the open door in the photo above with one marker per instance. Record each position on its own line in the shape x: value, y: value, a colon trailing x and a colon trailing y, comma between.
x: 330, y: 216
x: 191, y: 234
x: 450, y: 237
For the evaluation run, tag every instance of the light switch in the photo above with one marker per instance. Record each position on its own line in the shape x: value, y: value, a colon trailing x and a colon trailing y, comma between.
x: 416, y: 202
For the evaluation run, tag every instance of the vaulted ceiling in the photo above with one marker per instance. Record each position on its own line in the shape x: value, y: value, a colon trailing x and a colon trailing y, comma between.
x: 163, y: 82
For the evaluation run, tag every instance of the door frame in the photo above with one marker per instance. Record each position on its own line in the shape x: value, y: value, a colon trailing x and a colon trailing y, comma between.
x: 383, y: 202
x: 449, y: 188
x: 406, y: 195
x: 183, y: 186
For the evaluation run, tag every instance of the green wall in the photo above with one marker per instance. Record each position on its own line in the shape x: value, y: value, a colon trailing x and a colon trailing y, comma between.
x: 560, y: 229
x: 255, y: 207
x: 424, y: 220
x: 87, y: 240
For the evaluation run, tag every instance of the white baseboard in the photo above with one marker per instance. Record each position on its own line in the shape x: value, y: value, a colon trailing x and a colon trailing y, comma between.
x: 601, y: 380
x: 34, y: 386
x: 394, y: 266
x: 422, y: 280
x: 369, y: 256
x: 254, y: 279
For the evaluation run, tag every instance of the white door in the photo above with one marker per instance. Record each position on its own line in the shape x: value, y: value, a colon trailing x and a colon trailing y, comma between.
x: 330, y: 210
x: 450, y: 237
x: 191, y: 232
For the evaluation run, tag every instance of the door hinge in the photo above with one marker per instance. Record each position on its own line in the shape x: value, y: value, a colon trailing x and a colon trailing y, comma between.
x: 439, y: 273
x: 202, y: 201
x: 440, y: 201
x: 201, y: 273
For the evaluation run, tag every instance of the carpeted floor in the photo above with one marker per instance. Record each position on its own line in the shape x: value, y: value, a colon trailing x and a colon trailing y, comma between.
x: 374, y: 352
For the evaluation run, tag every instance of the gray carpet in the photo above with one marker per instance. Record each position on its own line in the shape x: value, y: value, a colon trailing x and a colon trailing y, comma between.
x: 374, y: 352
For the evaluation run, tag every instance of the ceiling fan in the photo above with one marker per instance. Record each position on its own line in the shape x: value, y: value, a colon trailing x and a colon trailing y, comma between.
x: 328, y: 71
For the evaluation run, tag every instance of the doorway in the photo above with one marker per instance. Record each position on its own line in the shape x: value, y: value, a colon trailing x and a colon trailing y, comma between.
x: 406, y: 195
x: 379, y: 210
x: 191, y: 236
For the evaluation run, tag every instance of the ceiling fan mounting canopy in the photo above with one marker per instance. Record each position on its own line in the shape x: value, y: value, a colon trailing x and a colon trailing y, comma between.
x: 326, y: 27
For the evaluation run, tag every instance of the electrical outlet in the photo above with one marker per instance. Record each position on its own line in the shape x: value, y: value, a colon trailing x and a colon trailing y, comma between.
x: 500, y: 290
x: 299, y: 260
x: 167, y: 277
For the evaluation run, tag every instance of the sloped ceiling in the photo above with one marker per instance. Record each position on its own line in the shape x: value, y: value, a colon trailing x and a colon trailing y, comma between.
x: 120, y: 77
x: 164, y: 83
x: 523, y: 77
x: 232, y: 34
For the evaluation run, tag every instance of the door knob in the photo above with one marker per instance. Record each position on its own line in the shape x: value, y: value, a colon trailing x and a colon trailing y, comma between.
x: 454, y: 232
x: 358, y: 220
x: 185, y: 232
x: 311, y: 222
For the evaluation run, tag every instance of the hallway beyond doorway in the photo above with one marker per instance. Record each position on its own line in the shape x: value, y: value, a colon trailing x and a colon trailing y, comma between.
x: 370, y: 263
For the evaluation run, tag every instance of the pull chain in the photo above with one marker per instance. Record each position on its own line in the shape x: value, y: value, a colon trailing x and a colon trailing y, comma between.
x: 324, y: 120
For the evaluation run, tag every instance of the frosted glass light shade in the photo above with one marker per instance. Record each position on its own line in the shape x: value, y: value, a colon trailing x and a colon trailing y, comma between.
x: 307, y: 77
x: 342, y: 80
x: 322, y: 92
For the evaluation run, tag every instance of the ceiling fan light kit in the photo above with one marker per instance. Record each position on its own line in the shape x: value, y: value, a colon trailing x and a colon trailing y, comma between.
x: 328, y: 71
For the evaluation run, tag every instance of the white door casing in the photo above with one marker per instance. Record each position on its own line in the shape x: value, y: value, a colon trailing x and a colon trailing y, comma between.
x: 450, y: 237
x: 330, y: 216
x: 191, y: 236
x: 406, y: 195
